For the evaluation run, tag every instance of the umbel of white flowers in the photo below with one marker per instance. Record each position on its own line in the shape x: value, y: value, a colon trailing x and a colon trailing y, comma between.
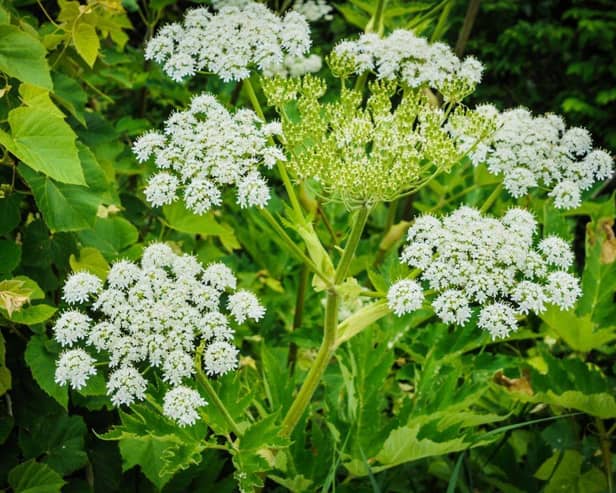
x: 230, y: 42
x: 540, y: 151
x: 206, y: 148
x: 412, y: 61
x: 473, y: 260
x: 154, y: 314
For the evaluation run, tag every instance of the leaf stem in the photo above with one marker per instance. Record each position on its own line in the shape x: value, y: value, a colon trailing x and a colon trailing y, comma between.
x: 212, y: 395
x: 492, y: 198
x: 254, y: 101
x: 351, y: 244
x: 297, y: 251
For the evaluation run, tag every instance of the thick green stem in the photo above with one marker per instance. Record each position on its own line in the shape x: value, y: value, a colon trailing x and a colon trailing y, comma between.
x: 303, y: 397
x: 286, y: 181
x: 302, y: 400
x: 492, y: 198
x: 351, y: 244
x: 376, y: 25
x: 213, y: 396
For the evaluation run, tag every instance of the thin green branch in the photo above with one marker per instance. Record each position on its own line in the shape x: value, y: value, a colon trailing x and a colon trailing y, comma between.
x: 491, y: 198
x: 212, y: 395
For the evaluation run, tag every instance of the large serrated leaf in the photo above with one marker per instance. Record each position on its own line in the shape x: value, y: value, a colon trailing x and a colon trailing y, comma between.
x: 86, y: 42
x: 64, y: 207
x: 33, y: 477
x: 42, y: 363
x: 58, y: 441
x: 23, y: 56
x: 46, y: 143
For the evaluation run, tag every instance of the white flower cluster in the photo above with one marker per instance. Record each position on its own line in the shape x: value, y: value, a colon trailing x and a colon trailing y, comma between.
x: 413, y: 61
x: 206, y: 148
x: 539, y: 151
x: 295, y: 66
x: 469, y: 259
x: 154, y: 314
x: 313, y: 10
x: 230, y: 42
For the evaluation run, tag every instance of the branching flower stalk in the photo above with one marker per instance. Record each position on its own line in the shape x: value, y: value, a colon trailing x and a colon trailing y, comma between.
x: 328, y: 344
x: 381, y: 136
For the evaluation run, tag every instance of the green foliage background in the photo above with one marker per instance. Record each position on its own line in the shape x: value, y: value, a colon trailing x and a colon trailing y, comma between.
x: 402, y: 408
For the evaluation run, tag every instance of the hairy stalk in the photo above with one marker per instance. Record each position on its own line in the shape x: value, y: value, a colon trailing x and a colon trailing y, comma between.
x: 303, y: 397
x: 212, y: 395
x: 286, y: 181
x: 492, y: 198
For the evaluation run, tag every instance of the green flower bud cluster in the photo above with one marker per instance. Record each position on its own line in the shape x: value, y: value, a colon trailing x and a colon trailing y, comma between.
x: 363, y: 153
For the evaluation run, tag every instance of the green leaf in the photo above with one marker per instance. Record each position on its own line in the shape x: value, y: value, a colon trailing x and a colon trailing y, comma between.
x: 5, y: 373
x: 91, y: 260
x: 9, y: 213
x: 255, y: 455
x: 86, y: 42
x: 111, y: 236
x: 571, y: 384
x: 35, y: 314
x: 23, y: 56
x: 10, y: 253
x: 70, y: 95
x: 406, y: 444
x: 58, y: 441
x: 33, y: 477
x: 580, y: 333
x: 42, y: 363
x: 64, y: 207
x: 39, y: 98
x: 159, y: 447
x: 46, y: 143
x: 181, y: 219
x: 563, y: 472
x: 599, y: 277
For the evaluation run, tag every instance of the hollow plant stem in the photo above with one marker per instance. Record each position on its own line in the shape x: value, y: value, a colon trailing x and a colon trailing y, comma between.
x: 306, y: 391
x: 351, y: 245
x: 301, y: 401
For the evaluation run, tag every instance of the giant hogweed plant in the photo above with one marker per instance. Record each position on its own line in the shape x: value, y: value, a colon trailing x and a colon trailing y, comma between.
x: 380, y: 125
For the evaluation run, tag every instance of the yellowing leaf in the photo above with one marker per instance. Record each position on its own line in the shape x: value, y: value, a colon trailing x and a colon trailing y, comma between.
x: 13, y: 295
x: 86, y: 42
